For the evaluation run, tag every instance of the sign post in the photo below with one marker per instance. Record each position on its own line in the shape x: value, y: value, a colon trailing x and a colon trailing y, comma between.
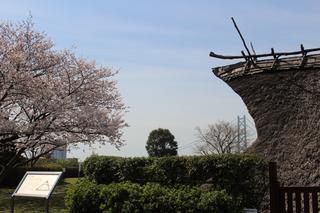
x: 38, y: 185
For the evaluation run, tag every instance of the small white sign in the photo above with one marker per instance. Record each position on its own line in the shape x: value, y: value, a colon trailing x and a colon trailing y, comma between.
x: 37, y: 184
x: 246, y: 210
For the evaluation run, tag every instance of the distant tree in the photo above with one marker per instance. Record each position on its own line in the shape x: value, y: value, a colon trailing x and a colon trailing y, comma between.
x: 221, y: 137
x: 161, y: 143
x: 50, y: 98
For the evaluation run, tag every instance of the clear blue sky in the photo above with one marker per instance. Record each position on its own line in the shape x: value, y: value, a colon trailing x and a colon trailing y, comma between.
x: 161, y: 50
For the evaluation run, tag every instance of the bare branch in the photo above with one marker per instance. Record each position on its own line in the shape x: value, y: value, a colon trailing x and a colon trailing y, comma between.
x: 218, y: 138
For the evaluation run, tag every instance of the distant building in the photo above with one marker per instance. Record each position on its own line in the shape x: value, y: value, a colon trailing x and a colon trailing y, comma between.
x: 59, y: 154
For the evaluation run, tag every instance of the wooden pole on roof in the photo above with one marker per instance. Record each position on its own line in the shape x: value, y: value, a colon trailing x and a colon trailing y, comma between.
x: 242, y: 39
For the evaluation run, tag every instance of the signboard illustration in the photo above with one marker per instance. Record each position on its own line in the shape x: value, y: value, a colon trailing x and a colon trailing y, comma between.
x: 37, y: 184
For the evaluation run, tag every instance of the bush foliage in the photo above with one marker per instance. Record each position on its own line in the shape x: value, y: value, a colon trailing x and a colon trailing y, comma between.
x: 244, y: 177
x: 15, y: 175
x: 83, y: 197
x: 87, y: 196
x: 69, y: 167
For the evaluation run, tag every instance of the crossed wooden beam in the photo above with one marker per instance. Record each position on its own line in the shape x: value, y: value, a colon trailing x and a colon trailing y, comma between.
x: 252, y: 58
x: 273, y: 54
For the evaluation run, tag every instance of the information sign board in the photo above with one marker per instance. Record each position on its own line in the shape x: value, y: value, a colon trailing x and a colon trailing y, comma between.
x: 37, y: 184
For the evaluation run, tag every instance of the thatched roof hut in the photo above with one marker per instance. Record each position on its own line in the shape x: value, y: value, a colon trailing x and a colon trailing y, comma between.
x: 283, y: 97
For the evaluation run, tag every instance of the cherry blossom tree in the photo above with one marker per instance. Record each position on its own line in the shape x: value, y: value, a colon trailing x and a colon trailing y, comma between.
x: 50, y: 98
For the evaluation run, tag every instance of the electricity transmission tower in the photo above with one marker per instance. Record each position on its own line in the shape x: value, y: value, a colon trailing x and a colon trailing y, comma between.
x: 242, y: 133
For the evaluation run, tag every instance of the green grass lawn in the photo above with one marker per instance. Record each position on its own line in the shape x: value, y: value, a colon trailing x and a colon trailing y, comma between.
x: 32, y: 205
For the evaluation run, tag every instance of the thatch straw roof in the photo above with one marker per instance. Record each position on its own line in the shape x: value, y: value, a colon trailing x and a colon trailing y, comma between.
x: 283, y: 97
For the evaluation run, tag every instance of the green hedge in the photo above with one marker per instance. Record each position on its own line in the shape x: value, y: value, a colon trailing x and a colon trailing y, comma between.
x: 83, y: 197
x: 244, y: 177
x: 86, y: 196
x: 16, y: 174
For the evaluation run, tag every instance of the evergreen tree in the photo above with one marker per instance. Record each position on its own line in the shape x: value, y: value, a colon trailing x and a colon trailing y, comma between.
x: 161, y: 143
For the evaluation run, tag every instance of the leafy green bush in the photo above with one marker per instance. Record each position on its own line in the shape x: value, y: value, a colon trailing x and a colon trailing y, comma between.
x: 121, y: 197
x: 102, y: 169
x: 72, y: 172
x: 217, y: 201
x: 83, y: 197
x: 155, y: 198
x: 168, y: 170
x: 185, y: 198
x: 133, y: 169
x: 244, y: 177
x: 69, y: 166
x: 69, y: 163
x: 130, y: 197
x: 15, y: 175
x: 49, y: 166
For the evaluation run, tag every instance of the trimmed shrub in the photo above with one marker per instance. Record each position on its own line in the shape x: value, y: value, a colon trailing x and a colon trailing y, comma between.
x: 121, y: 197
x: 168, y: 170
x: 50, y: 166
x: 72, y: 172
x: 133, y: 169
x: 244, y: 177
x: 69, y: 163
x: 155, y: 198
x: 102, y: 169
x: 69, y: 166
x: 15, y: 175
x: 83, y: 197
x: 130, y: 197
x: 217, y: 201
